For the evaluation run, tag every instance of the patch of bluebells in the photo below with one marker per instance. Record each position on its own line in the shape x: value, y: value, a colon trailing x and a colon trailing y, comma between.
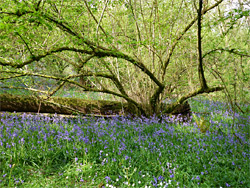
x: 143, y: 152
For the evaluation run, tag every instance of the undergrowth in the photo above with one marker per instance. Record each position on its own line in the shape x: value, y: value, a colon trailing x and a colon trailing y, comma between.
x: 42, y: 151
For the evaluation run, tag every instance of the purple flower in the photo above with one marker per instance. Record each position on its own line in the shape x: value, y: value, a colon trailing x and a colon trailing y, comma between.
x: 22, y: 140
x: 154, y: 182
x: 160, y: 178
x: 228, y: 185
x: 172, y: 175
x: 107, y: 179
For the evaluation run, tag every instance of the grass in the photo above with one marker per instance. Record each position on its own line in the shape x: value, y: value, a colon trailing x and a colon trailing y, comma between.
x: 40, y: 151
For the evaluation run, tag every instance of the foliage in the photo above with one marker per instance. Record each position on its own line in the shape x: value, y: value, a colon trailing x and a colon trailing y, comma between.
x: 140, y: 51
x: 202, y: 123
x: 43, y: 151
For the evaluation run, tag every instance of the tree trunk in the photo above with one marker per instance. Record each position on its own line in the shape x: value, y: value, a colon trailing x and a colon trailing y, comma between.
x: 62, y: 105
x: 58, y: 105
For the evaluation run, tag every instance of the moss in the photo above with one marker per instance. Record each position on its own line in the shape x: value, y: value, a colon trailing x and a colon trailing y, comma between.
x: 31, y: 104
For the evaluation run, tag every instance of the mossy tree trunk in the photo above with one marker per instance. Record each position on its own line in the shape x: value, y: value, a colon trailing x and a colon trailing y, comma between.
x: 58, y: 105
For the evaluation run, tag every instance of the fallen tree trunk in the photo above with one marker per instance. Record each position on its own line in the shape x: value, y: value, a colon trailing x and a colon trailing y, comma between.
x: 71, y: 106
x: 59, y: 105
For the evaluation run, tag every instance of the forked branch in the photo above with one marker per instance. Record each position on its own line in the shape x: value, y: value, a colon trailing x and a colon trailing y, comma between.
x: 179, y: 37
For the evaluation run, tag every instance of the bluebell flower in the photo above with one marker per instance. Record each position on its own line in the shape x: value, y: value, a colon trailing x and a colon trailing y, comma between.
x: 160, y: 178
x: 107, y: 179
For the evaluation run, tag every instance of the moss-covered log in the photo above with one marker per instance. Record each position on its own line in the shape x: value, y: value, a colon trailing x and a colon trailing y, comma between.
x: 60, y: 105
x: 63, y: 105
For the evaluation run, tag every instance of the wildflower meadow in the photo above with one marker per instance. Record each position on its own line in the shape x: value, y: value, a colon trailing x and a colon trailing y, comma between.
x: 52, y: 151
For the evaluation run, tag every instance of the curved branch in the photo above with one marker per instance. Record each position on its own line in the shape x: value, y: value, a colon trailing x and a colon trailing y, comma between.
x: 147, y: 47
x: 26, y: 44
x: 216, y: 73
x: 59, y: 23
x: 233, y: 51
x: 84, y: 61
x: 18, y: 13
x: 56, y: 89
x: 102, y: 53
x: 112, y: 77
x: 116, y: 80
x: 10, y: 77
x: 24, y: 88
x: 190, y: 95
x: 67, y: 79
x: 97, y: 52
x: 39, y: 57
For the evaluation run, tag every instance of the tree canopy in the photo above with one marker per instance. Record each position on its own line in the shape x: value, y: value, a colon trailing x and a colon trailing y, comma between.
x: 143, y: 52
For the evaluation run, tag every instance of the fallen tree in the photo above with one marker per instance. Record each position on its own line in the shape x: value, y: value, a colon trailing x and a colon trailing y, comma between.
x: 71, y: 106
x: 60, y: 105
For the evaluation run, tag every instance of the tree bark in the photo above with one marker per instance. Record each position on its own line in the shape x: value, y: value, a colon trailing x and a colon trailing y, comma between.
x: 61, y: 105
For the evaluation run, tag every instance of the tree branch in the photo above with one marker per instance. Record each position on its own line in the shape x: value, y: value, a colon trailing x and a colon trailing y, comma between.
x: 202, y: 79
x: 233, y: 51
x: 39, y: 57
x: 25, y: 44
x: 67, y: 79
x: 190, y: 95
x: 24, y: 88
x: 97, y: 52
x: 135, y: 18
x: 166, y: 63
x: 155, y: 97
x: 99, y: 23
